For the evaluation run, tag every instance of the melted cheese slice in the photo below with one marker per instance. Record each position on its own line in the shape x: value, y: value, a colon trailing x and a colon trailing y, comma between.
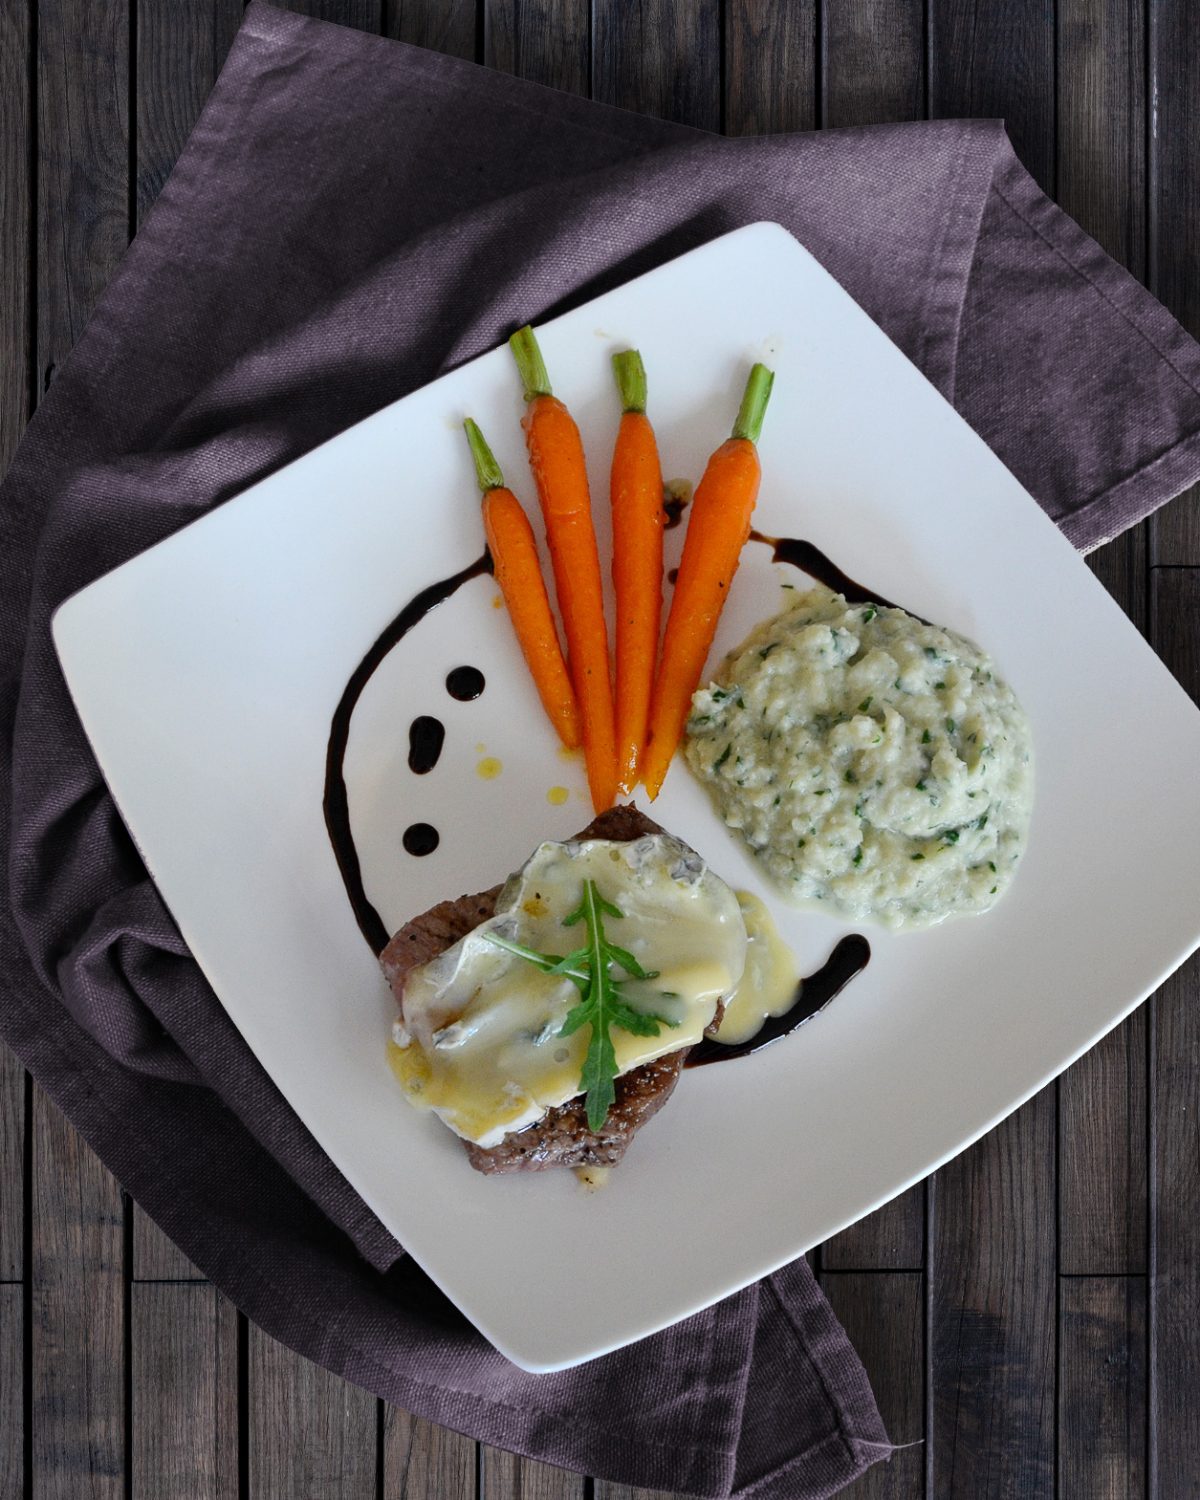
x: 479, y: 1043
x: 770, y: 982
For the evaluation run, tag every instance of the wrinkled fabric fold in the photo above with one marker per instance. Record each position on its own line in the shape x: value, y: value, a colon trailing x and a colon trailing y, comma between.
x: 350, y: 218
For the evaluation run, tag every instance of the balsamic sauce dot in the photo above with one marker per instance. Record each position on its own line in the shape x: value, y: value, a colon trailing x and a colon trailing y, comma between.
x: 421, y: 838
x: 465, y: 683
x: 426, y: 736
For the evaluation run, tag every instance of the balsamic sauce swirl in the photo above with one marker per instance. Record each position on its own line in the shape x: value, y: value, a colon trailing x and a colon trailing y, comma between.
x: 336, y: 801
x: 850, y: 956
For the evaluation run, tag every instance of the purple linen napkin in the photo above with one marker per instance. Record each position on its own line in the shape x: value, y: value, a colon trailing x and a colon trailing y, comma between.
x: 350, y: 218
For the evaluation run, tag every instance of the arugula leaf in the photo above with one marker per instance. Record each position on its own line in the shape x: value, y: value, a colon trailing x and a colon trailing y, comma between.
x: 602, y: 1005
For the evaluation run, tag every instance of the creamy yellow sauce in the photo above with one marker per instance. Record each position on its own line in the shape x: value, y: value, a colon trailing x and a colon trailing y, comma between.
x: 479, y: 1042
x: 768, y: 986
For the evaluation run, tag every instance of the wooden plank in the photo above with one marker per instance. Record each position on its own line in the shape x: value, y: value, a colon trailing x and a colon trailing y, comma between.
x: 83, y: 165
x: 660, y: 57
x: 77, y: 1290
x: 155, y: 1257
x: 183, y: 1393
x: 992, y: 1296
x: 606, y: 1491
x: 1102, y: 1387
x: 309, y: 1433
x: 424, y: 1462
x: 1102, y: 1098
x: 363, y: 15
x: 546, y: 41
x: 504, y: 1476
x: 1175, y: 1159
x: 1123, y: 567
x: 15, y: 227
x: 1175, y: 217
x: 892, y: 1238
x: 873, y: 71
x: 1102, y: 123
x: 180, y: 49
x: 12, y: 1168
x: 996, y: 58
x: 12, y: 1392
x: 874, y: 62
x: 1102, y: 1156
x: 884, y: 1316
x: 450, y: 26
x: 771, y: 69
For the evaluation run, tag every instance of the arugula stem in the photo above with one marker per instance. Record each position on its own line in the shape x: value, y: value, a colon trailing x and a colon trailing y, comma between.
x: 543, y: 961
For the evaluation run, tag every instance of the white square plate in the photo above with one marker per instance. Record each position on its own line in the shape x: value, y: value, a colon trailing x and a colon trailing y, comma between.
x: 206, y: 670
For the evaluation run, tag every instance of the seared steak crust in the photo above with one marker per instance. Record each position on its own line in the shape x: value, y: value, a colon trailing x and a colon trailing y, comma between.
x: 561, y: 1138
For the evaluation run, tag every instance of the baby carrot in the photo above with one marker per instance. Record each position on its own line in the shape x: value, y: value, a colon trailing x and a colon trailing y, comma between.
x: 717, y: 532
x: 556, y: 458
x: 515, y: 563
x: 636, y: 490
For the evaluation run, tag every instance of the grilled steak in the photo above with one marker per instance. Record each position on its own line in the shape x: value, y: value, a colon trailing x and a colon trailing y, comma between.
x: 561, y: 1138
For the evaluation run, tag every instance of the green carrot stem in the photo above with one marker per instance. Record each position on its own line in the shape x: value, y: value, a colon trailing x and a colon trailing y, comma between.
x: 530, y: 364
x: 487, y: 470
x: 630, y: 373
x: 754, y: 404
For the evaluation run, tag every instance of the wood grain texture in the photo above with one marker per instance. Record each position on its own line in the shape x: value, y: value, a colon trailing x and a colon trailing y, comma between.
x: 874, y: 62
x: 16, y: 120
x: 177, y: 56
x: 83, y: 165
x: 12, y: 1168
x: 660, y: 57
x: 12, y: 1391
x: 884, y: 1317
x: 1174, y: 197
x: 308, y: 1433
x: 771, y: 66
x: 1123, y: 567
x: 1174, y: 1138
x: 993, y: 1313
x: 77, y: 1287
x: 1102, y: 1098
x: 183, y: 1393
x: 363, y: 15
x: 546, y: 41
x: 180, y: 49
x: 424, y: 1462
x: 1102, y: 1387
x: 450, y: 26
x: 1102, y: 1156
x: 996, y: 58
x: 606, y: 1491
x: 872, y: 56
x: 155, y: 1257
x: 891, y: 1239
x: 1102, y: 123
x: 504, y: 1476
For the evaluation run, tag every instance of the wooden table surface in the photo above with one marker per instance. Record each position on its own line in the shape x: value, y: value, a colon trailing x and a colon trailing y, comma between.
x: 1030, y: 1316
